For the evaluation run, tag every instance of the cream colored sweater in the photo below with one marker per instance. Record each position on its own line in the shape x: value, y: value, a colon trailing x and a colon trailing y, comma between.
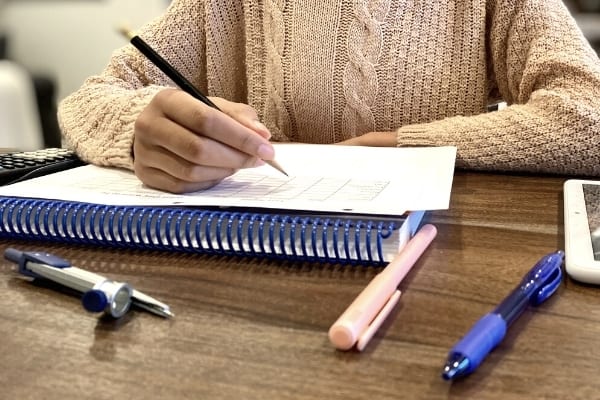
x: 323, y: 71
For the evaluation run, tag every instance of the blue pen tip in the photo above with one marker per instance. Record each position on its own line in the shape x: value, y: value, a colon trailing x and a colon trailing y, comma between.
x: 456, y: 366
x: 449, y: 373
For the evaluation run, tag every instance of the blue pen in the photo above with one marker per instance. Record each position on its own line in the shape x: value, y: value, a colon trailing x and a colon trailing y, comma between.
x: 538, y: 285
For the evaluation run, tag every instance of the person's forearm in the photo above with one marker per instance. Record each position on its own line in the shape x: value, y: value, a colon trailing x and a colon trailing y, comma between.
x: 557, y: 138
x: 97, y: 122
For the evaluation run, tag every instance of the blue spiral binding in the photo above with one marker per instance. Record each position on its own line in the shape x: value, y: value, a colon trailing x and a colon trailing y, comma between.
x: 273, y: 235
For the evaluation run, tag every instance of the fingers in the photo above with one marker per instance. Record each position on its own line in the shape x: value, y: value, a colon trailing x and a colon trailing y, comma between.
x: 189, y: 148
x: 159, y: 179
x: 211, y: 123
x: 161, y: 169
x: 181, y: 144
x: 244, y: 114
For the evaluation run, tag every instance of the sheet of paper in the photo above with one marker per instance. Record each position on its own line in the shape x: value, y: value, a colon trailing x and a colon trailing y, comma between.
x: 323, y: 178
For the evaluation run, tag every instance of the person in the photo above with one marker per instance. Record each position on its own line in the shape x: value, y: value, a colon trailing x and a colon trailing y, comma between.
x: 362, y: 72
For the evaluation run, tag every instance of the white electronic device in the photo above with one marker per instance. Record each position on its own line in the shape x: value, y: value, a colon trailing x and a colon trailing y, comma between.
x: 582, y: 229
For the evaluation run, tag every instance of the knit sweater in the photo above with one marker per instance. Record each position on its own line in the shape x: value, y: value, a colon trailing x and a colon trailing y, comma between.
x: 324, y: 71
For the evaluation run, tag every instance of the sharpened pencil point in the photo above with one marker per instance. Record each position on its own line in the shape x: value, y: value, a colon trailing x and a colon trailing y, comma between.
x: 276, y: 165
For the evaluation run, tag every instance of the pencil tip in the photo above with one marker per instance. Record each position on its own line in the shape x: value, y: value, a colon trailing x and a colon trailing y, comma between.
x: 278, y: 167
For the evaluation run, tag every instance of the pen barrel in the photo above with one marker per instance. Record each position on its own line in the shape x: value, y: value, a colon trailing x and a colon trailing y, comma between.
x: 514, y: 304
x: 480, y: 340
x: 71, y: 277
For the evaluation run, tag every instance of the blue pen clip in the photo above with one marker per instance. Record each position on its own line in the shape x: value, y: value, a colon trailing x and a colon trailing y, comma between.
x: 23, y: 257
x: 547, y: 273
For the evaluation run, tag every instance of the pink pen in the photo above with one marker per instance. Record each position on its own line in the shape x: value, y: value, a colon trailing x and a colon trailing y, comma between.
x: 364, y: 316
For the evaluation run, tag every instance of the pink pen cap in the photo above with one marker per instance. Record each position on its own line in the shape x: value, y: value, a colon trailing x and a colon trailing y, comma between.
x: 360, y: 321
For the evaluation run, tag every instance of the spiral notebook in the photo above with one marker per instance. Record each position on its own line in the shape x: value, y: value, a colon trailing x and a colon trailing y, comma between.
x: 351, y: 214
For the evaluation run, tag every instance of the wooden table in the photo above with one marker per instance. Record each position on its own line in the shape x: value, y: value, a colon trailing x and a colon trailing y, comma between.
x: 250, y: 329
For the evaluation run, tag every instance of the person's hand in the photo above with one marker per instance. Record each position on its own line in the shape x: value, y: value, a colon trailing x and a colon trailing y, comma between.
x: 182, y: 145
x: 373, y: 139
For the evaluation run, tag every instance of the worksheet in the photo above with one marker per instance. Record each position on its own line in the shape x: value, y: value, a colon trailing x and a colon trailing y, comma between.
x: 324, y: 178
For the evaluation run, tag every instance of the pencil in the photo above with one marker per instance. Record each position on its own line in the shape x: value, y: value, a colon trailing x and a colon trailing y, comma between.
x: 176, y: 77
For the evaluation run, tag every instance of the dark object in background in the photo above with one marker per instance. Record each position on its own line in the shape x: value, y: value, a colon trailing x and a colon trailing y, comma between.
x: 46, y: 102
x: 587, y: 6
x: 2, y: 47
x: 45, y: 93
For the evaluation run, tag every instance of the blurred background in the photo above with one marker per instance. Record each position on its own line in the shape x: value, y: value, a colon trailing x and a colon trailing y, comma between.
x: 49, y: 47
x: 587, y: 14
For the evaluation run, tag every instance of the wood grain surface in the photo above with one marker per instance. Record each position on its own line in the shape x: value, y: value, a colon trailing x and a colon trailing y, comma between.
x: 257, y: 329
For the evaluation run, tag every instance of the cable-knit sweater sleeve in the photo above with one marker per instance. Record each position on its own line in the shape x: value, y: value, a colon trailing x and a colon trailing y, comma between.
x: 550, y: 77
x: 97, y: 120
